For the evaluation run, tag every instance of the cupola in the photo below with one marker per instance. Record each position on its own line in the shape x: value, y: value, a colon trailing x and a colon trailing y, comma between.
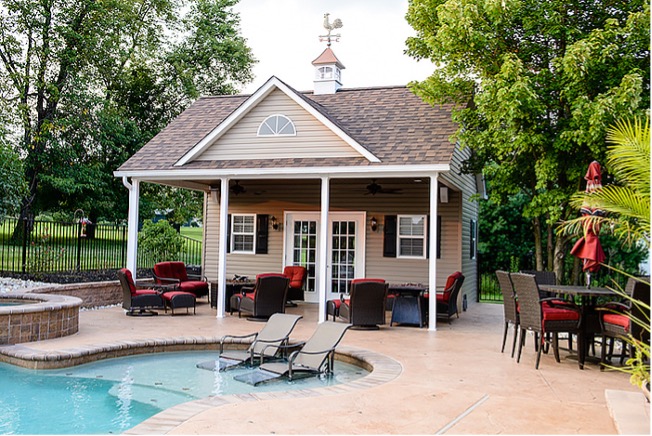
x: 328, y: 69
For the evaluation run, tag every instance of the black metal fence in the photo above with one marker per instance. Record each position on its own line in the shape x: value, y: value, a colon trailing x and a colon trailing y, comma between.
x: 489, y: 289
x: 33, y: 246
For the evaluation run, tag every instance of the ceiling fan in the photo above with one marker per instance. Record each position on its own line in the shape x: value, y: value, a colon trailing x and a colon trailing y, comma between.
x: 374, y: 188
x: 238, y: 189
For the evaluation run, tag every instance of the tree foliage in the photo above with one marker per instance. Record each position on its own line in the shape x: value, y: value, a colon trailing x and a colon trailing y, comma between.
x: 12, y: 184
x: 537, y: 84
x: 85, y: 84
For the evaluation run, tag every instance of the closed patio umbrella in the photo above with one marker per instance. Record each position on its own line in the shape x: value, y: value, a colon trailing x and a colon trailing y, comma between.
x: 588, y: 247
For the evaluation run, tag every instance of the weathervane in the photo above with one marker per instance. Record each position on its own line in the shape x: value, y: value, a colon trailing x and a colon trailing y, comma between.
x: 330, y: 27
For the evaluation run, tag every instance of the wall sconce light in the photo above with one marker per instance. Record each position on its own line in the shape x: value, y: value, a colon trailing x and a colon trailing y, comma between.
x: 443, y: 194
x: 215, y: 193
x: 374, y: 224
x: 274, y: 223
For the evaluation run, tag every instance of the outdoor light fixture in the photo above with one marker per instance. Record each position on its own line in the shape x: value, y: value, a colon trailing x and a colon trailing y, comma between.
x: 215, y: 193
x: 443, y: 194
x: 374, y: 224
x: 274, y: 223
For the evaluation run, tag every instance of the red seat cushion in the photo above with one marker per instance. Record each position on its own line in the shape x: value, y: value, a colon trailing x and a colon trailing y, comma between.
x: 172, y: 270
x: 450, y: 281
x: 443, y: 298
x: 144, y: 292
x: 338, y: 303
x: 616, y: 319
x: 170, y: 295
x: 296, y: 274
x: 559, y: 314
x: 195, y: 287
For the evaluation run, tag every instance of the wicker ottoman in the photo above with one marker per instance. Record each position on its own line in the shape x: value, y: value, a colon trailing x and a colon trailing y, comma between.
x: 179, y: 300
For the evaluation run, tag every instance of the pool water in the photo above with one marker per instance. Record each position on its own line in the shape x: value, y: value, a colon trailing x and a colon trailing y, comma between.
x: 113, y: 395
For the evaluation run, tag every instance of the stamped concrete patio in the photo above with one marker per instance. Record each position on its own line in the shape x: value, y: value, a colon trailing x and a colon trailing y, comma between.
x: 452, y: 381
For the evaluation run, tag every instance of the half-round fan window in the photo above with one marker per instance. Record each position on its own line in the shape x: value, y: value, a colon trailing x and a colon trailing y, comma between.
x: 277, y: 125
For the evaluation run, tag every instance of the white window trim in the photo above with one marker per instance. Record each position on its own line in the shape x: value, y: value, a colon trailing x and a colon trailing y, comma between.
x: 294, y: 128
x: 233, y: 233
x: 399, y: 237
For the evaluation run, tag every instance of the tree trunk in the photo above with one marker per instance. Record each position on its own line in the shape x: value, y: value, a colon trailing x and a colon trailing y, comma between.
x: 538, y: 249
x: 561, y: 244
x: 550, y: 249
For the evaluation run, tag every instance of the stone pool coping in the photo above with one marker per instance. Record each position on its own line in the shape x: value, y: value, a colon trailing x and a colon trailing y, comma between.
x: 382, y: 369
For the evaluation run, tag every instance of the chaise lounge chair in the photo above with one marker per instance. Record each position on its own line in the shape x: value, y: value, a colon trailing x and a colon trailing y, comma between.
x: 138, y: 301
x: 266, y: 343
x: 316, y: 356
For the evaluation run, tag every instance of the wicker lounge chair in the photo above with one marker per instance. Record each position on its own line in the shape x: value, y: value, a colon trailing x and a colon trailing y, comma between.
x: 138, y: 301
x: 365, y: 307
x: 447, y: 300
x: 510, y: 308
x: 266, y: 343
x: 174, y: 273
x: 297, y: 275
x: 537, y: 315
x: 267, y: 298
x: 316, y: 356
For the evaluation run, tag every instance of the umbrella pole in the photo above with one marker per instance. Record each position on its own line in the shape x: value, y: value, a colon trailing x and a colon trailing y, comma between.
x: 588, y: 279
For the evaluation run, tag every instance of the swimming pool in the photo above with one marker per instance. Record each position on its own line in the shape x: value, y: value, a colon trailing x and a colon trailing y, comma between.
x: 111, y: 396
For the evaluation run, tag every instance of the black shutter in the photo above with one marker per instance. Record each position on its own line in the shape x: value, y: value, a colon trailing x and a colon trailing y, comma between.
x: 438, y: 236
x: 389, y: 244
x: 228, y: 233
x: 262, y: 230
x: 427, y: 236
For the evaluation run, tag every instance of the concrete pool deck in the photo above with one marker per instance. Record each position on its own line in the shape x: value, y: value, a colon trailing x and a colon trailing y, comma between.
x: 452, y: 381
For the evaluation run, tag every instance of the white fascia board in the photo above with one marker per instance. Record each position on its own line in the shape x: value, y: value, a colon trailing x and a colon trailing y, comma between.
x: 289, y: 173
x: 251, y: 102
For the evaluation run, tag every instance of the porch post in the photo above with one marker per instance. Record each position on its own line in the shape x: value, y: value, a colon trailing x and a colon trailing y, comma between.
x: 322, y: 256
x: 132, y: 224
x: 432, y: 259
x: 221, y: 265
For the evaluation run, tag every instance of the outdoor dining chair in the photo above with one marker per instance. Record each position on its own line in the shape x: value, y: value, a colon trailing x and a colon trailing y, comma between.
x: 541, y: 318
x: 510, y: 307
x: 618, y: 320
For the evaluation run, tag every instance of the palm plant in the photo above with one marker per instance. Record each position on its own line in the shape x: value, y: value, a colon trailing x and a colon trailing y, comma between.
x: 627, y: 203
x: 627, y: 207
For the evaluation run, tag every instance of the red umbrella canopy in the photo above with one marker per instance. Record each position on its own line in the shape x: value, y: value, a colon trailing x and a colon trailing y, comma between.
x: 588, y: 246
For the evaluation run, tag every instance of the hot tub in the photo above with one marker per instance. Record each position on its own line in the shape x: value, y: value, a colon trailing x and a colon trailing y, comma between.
x: 39, y: 317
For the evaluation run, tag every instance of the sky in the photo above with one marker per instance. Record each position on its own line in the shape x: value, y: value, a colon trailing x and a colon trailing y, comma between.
x: 284, y: 38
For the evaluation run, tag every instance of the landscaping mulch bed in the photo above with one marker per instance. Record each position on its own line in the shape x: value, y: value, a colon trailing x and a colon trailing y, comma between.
x: 76, y: 276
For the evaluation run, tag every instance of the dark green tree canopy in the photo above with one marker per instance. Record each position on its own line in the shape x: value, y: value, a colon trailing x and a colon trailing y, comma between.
x: 85, y: 84
x: 537, y: 83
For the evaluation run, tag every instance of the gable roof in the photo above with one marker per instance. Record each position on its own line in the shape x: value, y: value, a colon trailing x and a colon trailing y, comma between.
x: 390, y: 123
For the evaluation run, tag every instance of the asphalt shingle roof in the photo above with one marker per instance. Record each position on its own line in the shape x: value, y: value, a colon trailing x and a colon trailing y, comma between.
x: 391, y: 122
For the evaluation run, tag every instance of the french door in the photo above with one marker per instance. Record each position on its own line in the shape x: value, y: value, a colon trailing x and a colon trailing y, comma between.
x: 345, y: 249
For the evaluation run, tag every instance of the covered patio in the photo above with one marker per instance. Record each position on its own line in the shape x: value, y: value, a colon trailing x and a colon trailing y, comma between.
x: 453, y: 380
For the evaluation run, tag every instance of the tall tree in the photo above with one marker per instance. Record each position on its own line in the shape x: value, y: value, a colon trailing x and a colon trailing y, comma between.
x: 87, y: 83
x: 538, y: 82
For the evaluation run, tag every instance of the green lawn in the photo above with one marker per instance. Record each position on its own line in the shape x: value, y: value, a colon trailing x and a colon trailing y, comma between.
x: 195, y: 233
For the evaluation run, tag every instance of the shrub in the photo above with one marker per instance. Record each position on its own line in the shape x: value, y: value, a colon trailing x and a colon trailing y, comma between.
x: 160, y: 241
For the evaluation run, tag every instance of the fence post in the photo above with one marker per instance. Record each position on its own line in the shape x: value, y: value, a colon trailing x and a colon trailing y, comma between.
x: 24, y: 262
x: 79, y: 246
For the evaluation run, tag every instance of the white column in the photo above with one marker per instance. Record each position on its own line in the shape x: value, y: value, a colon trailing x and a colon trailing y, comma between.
x: 322, y: 256
x: 221, y: 265
x: 132, y: 224
x: 432, y: 258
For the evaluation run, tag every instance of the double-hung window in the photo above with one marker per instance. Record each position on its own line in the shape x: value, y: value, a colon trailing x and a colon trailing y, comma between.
x: 243, y: 233
x: 412, y: 236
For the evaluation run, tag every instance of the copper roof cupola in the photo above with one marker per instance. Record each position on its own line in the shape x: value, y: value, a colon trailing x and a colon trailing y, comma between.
x: 328, y: 69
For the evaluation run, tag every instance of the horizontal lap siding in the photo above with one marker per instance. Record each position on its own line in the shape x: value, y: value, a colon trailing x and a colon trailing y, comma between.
x: 346, y: 195
x: 313, y: 139
x: 470, y: 209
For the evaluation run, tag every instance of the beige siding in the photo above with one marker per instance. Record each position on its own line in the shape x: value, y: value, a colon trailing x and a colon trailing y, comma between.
x: 469, y: 210
x: 346, y: 195
x: 313, y: 139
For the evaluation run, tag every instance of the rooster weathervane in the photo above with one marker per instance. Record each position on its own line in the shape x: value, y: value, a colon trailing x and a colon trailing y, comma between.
x: 337, y: 23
